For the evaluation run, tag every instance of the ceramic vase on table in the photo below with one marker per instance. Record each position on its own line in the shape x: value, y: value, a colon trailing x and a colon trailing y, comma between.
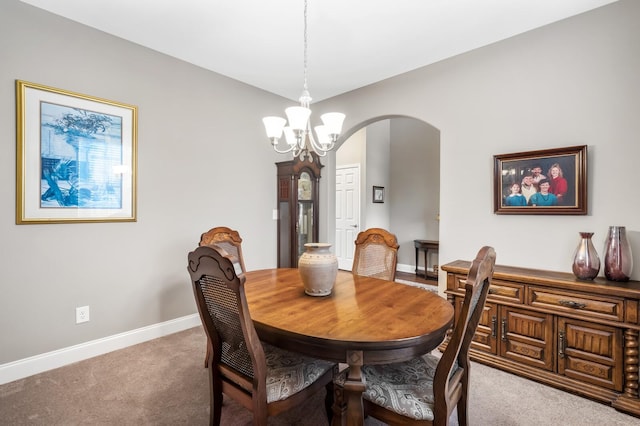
x: 318, y: 269
x: 618, y: 261
x: 586, y: 263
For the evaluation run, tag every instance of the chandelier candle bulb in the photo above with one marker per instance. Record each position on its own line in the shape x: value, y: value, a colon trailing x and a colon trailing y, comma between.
x: 290, y: 137
x: 323, y: 137
x: 333, y: 122
x: 298, y: 118
x: 274, y: 127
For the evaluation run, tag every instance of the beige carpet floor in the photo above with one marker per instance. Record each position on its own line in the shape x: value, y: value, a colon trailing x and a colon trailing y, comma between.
x: 163, y: 382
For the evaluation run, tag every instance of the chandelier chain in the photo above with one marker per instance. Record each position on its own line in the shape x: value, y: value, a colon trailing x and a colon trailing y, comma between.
x: 305, y: 98
x: 305, y: 44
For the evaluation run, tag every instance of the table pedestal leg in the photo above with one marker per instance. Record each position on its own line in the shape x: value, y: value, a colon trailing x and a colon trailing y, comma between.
x: 353, y: 390
x: 351, y: 394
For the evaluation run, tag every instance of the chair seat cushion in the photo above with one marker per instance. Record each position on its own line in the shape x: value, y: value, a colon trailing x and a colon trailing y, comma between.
x: 288, y: 372
x: 405, y: 388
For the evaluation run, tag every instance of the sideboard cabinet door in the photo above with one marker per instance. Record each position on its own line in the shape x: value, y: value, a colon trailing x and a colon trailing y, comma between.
x: 590, y: 352
x: 527, y: 337
x: 485, y: 338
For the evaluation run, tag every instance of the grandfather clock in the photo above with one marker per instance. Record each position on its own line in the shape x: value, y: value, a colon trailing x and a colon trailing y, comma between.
x: 297, y: 207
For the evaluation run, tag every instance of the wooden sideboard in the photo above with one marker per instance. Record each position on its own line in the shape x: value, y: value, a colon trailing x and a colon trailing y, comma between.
x: 579, y: 336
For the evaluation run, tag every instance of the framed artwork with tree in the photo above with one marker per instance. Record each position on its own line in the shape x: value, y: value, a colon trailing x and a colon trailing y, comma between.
x: 76, y: 157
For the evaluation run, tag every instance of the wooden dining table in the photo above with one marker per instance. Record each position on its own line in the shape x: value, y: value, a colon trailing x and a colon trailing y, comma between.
x: 363, y: 321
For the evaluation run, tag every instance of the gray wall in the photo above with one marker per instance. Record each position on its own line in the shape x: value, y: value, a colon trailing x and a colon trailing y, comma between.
x: 574, y: 82
x: 414, y: 191
x: 203, y: 161
x: 377, y: 172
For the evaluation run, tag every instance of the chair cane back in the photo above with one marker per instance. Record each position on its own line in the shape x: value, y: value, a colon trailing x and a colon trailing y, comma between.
x: 376, y: 254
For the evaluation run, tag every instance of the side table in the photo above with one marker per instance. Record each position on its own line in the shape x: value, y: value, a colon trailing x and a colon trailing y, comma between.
x: 427, y: 246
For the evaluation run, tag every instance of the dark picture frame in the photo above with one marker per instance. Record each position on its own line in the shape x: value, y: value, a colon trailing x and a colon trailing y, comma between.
x: 550, y: 181
x: 76, y: 157
x: 378, y: 194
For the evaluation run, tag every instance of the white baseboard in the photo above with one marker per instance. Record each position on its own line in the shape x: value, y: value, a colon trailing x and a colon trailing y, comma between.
x: 409, y: 268
x: 406, y: 268
x: 37, y: 364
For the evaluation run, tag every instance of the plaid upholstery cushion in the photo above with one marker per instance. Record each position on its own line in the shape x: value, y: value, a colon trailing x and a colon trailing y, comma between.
x: 288, y: 373
x: 403, y: 387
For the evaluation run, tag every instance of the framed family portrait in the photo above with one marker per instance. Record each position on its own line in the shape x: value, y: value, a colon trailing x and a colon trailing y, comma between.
x: 551, y: 181
x: 378, y: 194
x: 75, y: 157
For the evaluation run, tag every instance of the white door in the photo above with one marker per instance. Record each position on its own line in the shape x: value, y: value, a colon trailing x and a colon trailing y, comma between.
x: 347, y: 213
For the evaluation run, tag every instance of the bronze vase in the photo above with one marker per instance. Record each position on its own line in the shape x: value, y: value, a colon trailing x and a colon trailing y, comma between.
x: 618, y: 262
x: 586, y: 263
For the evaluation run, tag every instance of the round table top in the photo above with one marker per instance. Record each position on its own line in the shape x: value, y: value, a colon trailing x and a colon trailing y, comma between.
x: 388, y: 321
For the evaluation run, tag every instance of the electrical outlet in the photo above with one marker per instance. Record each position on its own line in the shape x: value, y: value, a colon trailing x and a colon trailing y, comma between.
x: 82, y: 314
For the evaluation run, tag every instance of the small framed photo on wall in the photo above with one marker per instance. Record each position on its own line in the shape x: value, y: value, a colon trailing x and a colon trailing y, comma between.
x: 378, y: 194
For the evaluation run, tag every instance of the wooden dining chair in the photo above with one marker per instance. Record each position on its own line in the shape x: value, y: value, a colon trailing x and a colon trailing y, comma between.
x: 263, y: 378
x: 376, y: 254
x: 425, y: 390
x: 227, y: 238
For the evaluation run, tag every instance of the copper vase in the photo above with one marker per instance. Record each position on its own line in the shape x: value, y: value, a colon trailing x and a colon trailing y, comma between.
x: 618, y: 262
x: 586, y: 263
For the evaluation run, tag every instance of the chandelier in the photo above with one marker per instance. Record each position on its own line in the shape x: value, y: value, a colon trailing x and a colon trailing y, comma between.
x: 298, y: 135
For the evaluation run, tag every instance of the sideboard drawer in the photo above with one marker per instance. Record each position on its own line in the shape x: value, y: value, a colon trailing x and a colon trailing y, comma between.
x: 504, y: 291
x: 609, y: 308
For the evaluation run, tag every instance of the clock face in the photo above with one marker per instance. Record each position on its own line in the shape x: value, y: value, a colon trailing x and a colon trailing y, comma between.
x: 304, y: 186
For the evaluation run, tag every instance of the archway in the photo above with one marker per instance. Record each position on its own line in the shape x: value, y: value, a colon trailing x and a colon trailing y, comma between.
x: 402, y: 155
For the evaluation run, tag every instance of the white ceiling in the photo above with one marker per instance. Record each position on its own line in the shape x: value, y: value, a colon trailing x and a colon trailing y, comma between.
x: 351, y: 43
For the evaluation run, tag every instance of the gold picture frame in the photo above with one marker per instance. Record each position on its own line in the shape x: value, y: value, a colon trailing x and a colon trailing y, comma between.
x: 76, y: 157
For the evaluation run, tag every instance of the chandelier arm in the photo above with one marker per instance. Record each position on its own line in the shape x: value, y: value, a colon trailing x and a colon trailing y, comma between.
x: 279, y: 151
x: 316, y: 146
